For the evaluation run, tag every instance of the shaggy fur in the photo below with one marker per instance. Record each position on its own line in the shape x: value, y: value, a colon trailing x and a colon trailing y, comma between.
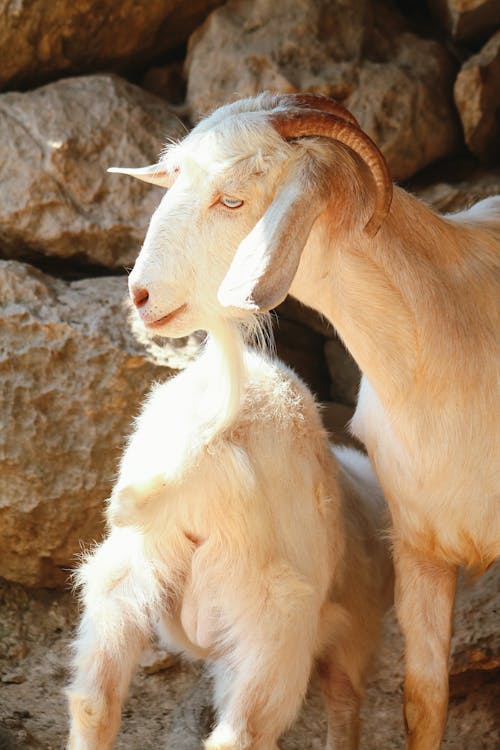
x: 236, y: 532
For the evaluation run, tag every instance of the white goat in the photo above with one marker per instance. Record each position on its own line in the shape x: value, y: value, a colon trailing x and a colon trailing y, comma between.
x: 291, y: 193
x: 232, y: 525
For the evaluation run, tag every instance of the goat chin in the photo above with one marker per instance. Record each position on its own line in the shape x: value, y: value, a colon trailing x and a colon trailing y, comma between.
x: 236, y: 534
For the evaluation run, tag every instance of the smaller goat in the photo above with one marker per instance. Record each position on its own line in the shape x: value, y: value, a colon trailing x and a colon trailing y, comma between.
x: 233, y: 525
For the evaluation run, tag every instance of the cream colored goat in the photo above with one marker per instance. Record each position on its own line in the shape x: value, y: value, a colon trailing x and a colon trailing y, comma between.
x: 234, y: 527
x: 291, y: 193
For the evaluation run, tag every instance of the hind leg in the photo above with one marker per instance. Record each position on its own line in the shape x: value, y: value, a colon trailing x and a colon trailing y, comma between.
x: 261, y: 682
x: 343, y: 668
x: 118, y: 588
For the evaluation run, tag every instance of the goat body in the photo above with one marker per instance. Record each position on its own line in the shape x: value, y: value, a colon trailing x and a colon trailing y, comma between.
x: 234, y: 531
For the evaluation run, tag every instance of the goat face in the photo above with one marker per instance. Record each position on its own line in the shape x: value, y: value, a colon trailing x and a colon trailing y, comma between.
x: 216, y: 196
x: 228, y: 235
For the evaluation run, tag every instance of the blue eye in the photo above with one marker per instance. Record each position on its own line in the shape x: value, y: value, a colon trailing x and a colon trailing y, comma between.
x: 230, y: 202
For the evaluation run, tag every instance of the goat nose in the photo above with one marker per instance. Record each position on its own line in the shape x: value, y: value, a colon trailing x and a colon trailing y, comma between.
x: 139, y: 296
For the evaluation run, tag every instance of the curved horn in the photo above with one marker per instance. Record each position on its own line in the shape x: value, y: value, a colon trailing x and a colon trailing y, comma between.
x: 297, y: 123
x: 322, y: 103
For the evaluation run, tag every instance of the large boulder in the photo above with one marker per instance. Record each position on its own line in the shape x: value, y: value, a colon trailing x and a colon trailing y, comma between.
x: 361, y: 53
x: 72, y: 377
x: 477, y: 96
x: 40, y: 39
x: 56, y: 143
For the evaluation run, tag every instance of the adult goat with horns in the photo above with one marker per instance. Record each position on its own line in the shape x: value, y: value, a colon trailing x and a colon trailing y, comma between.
x: 287, y: 194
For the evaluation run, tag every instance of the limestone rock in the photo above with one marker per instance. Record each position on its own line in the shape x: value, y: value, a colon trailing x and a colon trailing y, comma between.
x: 477, y: 96
x: 56, y: 143
x: 72, y: 377
x: 458, y: 187
x: 40, y: 40
x: 361, y: 53
x: 467, y: 19
x: 167, y: 82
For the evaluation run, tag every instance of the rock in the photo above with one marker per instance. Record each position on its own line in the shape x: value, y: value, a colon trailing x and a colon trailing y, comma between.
x: 361, y: 53
x: 39, y: 40
x: 154, y: 660
x: 476, y: 641
x: 72, y: 378
x: 55, y: 146
x: 467, y: 20
x: 458, y: 187
x: 477, y: 96
x: 167, y: 82
x: 13, y: 678
x: 344, y: 372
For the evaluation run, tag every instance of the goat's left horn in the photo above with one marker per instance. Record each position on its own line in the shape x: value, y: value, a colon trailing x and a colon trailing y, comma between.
x: 299, y: 122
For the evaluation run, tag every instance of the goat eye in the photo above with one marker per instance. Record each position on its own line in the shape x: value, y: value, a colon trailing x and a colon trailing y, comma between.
x: 230, y: 202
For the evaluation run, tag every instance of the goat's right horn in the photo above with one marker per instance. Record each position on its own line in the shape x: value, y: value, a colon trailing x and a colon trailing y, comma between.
x: 302, y: 122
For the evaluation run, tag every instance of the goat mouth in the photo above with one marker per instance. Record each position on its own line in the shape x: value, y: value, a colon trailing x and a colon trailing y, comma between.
x: 166, y: 318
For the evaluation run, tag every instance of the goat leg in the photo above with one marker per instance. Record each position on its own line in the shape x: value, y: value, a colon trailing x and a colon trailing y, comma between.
x: 425, y: 593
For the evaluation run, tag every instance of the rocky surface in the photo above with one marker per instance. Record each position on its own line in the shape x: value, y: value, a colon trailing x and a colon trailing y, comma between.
x: 171, y: 708
x: 361, y: 53
x: 72, y: 378
x: 40, y: 40
x: 457, y: 185
x: 56, y: 144
x: 477, y: 96
x: 467, y: 20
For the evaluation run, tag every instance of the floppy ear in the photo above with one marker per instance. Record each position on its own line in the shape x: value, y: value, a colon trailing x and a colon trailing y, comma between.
x: 267, y: 259
x: 154, y: 173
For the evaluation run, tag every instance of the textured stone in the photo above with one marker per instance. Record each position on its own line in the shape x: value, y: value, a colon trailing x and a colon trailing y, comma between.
x: 56, y: 143
x: 40, y: 39
x: 458, y: 187
x: 167, y: 82
x: 477, y: 96
x: 72, y: 377
x: 467, y: 19
x: 361, y: 53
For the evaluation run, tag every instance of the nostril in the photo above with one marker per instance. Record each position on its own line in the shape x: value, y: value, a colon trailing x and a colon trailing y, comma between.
x: 139, y: 297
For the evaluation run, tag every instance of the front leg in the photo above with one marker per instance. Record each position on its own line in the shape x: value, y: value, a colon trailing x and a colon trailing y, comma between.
x: 120, y: 596
x: 270, y: 625
x: 425, y: 593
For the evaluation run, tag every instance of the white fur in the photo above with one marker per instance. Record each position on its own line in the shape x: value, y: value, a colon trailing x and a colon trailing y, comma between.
x: 232, y: 535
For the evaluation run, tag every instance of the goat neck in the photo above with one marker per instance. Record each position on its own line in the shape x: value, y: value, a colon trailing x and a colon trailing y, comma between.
x: 403, y: 300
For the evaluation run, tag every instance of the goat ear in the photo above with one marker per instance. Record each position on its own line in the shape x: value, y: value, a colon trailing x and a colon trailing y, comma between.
x: 267, y: 259
x: 154, y: 174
